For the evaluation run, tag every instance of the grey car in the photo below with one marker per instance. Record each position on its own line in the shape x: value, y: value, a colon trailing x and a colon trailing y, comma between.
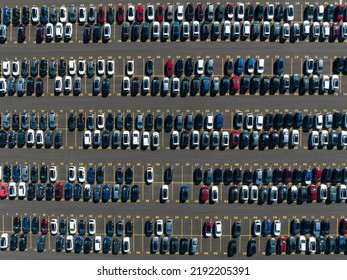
x: 6, y: 121
x: 21, y: 86
x: 155, y: 244
x: 52, y: 68
x: 96, y: 85
x: 25, y: 173
x: 52, y: 120
x: 90, y: 121
x: 77, y: 86
x: 168, y: 227
x: 24, y: 121
x: 193, y: 245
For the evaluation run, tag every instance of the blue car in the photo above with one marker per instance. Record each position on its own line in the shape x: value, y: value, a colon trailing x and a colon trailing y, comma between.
x: 91, y: 175
x: 78, y: 244
x: 250, y: 65
x: 218, y: 121
x: 239, y: 65
x: 68, y: 191
x: 175, y: 30
x: 307, y: 175
x: 105, y: 193
x: 278, y: 67
x: 44, y: 14
x: 16, y: 173
x: 184, y: 193
x: 7, y: 16
x: 205, y: 85
x: 26, y: 225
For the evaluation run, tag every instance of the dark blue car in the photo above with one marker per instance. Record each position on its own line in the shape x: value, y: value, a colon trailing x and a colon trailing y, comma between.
x: 278, y: 67
x: 78, y: 244
x: 175, y: 30
x: 16, y: 173
x: 68, y: 191
x: 91, y: 175
x: 218, y: 121
x: 184, y: 193
x: 105, y: 193
x: 239, y: 65
x: 26, y: 224
x: 7, y: 16
x: 44, y: 14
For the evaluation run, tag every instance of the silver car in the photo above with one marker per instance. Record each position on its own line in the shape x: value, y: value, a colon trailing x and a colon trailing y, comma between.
x: 52, y: 120
x: 193, y: 245
x: 21, y: 86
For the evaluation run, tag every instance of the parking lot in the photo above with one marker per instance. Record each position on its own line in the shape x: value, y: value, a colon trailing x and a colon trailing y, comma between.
x: 188, y: 217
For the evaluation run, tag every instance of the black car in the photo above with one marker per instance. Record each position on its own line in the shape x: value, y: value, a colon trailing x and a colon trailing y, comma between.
x: 87, y: 245
x: 43, y: 67
x: 21, y: 33
x: 135, y: 193
x: 125, y: 193
x: 135, y: 32
x: 49, y: 192
x: 25, y: 15
x: 77, y: 192
x: 129, y: 228
x: 116, y: 245
x: 125, y: 32
x: 22, y: 242
x: 148, y: 228
x: 251, y: 247
x: 232, y: 247
x: 96, y: 33
x: 184, y: 245
x: 59, y: 244
x: 236, y: 229
x: 227, y: 176
x: 13, y: 242
x: 305, y: 226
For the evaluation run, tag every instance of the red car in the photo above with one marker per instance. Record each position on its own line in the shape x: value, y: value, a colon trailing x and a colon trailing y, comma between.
x: 207, y: 228
x: 44, y: 226
x: 204, y: 193
x: 58, y: 191
x: 169, y: 67
x: 160, y: 12
x: 199, y: 13
x: 281, y: 245
x: 139, y: 13
x: 336, y: 30
x: 316, y: 175
x: 3, y: 190
x: 312, y: 193
x: 339, y: 11
x: 101, y: 15
x: 120, y: 13
x: 235, y: 84
x: 235, y: 138
x: 287, y: 175
x: 343, y: 226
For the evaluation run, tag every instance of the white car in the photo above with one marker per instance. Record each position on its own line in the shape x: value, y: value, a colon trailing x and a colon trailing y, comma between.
x: 246, y: 29
x: 62, y: 14
x: 334, y: 83
x: 175, y: 138
x: 259, y: 66
x: 259, y: 120
x: 59, y: 31
x: 110, y: 67
x: 126, y: 138
x: 81, y: 174
x: 179, y: 13
x: 30, y: 137
x: 81, y: 67
x: 126, y: 85
x: 196, y: 29
x: 284, y: 135
x: 185, y: 29
x: 15, y: 68
x: 100, y: 120
x: 149, y: 175
x: 253, y: 193
x: 4, y: 241
x: 145, y: 139
x: 131, y: 13
x: 72, y: 67
x: 273, y: 193
x: 136, y: 138
x: 69, y: 243
x: 6, y: 68
x: 146, y: 84
x: 126, y: 245
x: 39, y: 138
x: 3, y: 86
x: 305, y: 28
x: 244, y: 193
x: 21, y: 190
x: 290, y: 13
x: 67, y: 84
x: 256, y: 227
x: 58, y: 84
x: 165, y: 33
x: 72, y: 226
x: 156, y: 30
x: 240, y: 11
x: 214, y: 194
x: 226, y: 29
x: 325, y: 83
x: 266, y: 29
x: 343, y: 138
x: 97, y: 243
x: 324, y: 138
x: 53, y: 174
x: 249, y: 121
x: 91, y: 226
x: 150, y: 12
x: 276, y: 227
x: 175, y: 86
x: 12, y: 192
x: 325, y: 30
x: 68, y: 30
x: 209, y: 122
x: 342, y: 192
x: 200, y: 67
x: 285, y: 31
x: 164, y: 192
x: 107, y: 31
x: 217, y: 228
x: 295, y: 137
x: 155, y: 139
x: 159, y: 227
x: 322, y: 192
x: 195, y: 138
x: 318, y: 121
x: 100, y: 67
x: 81, y: 14
x: 314, y: 138
x: 35, y: 15
x: 130, y: 67
x: 87, y: 138
x: 72, y: 173
x: 49, y: 31
x: 54, y: 226
x: 311, y: 245
x: 269, y: 12
x: 301, y: 243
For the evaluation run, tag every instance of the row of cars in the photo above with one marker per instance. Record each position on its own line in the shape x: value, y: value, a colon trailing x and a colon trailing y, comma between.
x: 246, y: 84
